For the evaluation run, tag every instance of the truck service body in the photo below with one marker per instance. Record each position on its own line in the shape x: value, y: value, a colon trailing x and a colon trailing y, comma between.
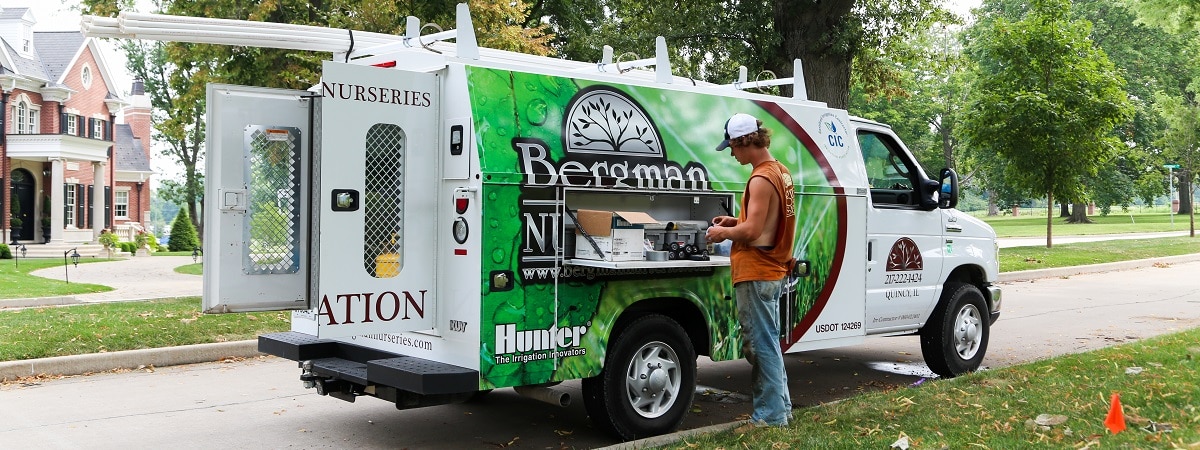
x: 417, y: 211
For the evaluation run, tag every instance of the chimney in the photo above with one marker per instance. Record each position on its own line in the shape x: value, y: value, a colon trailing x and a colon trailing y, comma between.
x: 137, y: 114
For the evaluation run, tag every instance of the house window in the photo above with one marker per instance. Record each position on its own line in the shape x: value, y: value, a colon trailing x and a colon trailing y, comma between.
x: 85, y: 76
x: 98, y: 128
x: 70, y: 204
x: 121, y: 204
x: 72, y: 124
x: 27, y: 117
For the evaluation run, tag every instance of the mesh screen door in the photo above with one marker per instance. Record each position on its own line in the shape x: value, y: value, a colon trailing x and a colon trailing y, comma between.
x: 272, y: 233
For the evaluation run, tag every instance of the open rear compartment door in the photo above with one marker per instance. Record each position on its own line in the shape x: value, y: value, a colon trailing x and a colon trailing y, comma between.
x: 377, y: 178
x: 255, y: 245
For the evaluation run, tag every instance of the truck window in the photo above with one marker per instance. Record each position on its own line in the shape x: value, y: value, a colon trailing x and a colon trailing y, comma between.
x: 383, y: 200
x: 889, y: 172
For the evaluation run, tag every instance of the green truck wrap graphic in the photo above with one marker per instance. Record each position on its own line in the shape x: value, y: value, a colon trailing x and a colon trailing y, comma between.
x: 538, y: 134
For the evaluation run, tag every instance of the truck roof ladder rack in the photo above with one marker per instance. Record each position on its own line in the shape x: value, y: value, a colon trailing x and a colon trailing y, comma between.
x: 799, y: 89
x: 660, y: 61
x: 342, y: 43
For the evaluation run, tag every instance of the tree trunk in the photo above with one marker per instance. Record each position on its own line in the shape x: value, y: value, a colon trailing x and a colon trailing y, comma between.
x: 993, y: 208
x: 806, y: 28
x: 1063, y: 210
x: 1049, y: 219
x: 1185, y: 193
x: 1079, y: 214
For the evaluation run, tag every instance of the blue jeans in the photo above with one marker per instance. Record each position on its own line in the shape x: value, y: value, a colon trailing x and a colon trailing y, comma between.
x: 758, y: 312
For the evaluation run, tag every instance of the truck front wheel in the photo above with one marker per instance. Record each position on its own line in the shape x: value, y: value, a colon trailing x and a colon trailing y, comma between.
x: 955, y: 337
x: 648, y: 380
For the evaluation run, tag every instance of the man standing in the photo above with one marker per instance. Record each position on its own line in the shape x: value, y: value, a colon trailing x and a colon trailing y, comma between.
x: 762, y: 236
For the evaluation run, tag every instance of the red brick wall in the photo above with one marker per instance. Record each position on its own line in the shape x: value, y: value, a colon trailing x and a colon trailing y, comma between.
x: 89, y: 101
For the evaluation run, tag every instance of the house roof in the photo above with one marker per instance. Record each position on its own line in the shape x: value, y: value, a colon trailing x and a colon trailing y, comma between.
x: 12, y: 13
x: 128, y: 153
x: 57, y: 50
x: 27, y: 67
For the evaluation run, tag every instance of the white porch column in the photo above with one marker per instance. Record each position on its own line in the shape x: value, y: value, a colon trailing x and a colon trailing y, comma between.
x: 57, y: 197
x: 98, y: 202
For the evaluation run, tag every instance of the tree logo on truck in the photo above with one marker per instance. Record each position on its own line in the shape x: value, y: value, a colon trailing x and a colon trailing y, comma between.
x: 905, y: 257
x: 606, y: 121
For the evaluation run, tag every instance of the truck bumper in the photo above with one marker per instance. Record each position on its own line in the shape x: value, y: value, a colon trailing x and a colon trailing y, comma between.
x: 369, y: 367
x: 993, y: 303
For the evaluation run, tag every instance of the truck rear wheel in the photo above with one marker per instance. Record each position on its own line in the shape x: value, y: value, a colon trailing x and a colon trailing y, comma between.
x: 648, y: 380
x: 955, y: 337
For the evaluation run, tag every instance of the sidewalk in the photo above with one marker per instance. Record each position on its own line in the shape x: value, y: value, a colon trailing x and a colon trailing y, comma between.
x: 136, y: 278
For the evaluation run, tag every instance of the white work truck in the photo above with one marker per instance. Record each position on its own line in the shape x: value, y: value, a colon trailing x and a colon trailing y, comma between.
x: 419, y: 212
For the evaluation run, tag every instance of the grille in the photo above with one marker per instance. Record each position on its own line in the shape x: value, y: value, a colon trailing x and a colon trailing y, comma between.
x: 383, y: 201
x: 273, y: 183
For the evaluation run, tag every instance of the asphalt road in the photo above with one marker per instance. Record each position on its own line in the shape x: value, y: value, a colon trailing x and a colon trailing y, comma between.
x: 259, y: 403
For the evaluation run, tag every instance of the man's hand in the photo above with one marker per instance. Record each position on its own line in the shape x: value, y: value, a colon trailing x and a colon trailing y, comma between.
x: 719, y: 231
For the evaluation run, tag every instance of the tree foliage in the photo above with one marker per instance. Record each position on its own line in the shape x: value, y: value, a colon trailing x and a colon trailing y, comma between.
x: 1046, y: 100
x: 183, y: 235
x: 1182, y: 142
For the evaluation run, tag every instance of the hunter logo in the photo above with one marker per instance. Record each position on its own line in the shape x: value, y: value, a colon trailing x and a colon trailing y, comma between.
x: 905, y: 257
x: 523, y: 346
x: 603, y: 120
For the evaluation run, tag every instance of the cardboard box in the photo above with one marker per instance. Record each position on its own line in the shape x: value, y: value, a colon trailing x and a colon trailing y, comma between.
x: 619, y: 234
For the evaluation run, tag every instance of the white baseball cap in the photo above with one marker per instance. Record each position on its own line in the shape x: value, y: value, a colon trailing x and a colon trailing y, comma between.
x: 737, y: 126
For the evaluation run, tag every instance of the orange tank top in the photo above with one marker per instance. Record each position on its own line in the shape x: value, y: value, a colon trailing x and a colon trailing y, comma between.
x: 751, y: 263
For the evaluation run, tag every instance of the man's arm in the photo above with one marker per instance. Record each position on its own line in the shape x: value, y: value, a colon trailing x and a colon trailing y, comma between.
x: 757, y: 208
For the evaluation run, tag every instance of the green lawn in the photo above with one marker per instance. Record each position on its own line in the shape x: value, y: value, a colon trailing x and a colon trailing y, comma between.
x: 1029, y: 225
x: 109, y: 327
x: 16, y: 282
x: 1001, y: 408
x: 1084, y: 253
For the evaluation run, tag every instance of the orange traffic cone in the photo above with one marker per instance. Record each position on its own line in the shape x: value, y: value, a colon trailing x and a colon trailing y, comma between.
x: 1115, y: 422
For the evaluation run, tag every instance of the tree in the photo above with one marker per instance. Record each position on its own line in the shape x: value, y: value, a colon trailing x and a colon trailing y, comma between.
x: 1046, y: 100
x: 1182, y: 141
x: 830, y: 37
x: 183, y: 236
x: 176, y: 74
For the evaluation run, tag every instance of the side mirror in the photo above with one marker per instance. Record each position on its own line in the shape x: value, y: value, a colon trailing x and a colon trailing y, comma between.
x: 948, y: 197
x: 929, y: 195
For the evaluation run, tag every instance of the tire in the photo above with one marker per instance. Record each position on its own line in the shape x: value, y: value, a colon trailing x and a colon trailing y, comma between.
x: 955, y: 337
x: 648, y: 380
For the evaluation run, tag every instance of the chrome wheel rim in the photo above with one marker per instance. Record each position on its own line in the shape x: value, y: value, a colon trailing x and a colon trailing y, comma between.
x: 968, y: 332
x: 653, y: 379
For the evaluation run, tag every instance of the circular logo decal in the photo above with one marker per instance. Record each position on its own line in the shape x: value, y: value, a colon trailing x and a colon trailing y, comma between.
x: 833, y: 139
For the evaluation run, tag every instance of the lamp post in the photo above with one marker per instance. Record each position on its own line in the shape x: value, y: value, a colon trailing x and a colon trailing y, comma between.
x: 195, y: 254
x: 16, y: 257
x: 74, y: 258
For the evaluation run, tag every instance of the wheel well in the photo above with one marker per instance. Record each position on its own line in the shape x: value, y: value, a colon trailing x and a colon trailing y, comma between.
x: 682, y: 311
x: 972, y: 274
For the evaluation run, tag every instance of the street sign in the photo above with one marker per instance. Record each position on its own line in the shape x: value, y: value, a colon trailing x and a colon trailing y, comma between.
x: 1171, y: 166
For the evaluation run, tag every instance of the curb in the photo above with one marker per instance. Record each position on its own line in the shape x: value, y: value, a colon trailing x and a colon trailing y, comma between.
x: 671, y: 438
x: 39, y: 301
x: 130, y: 359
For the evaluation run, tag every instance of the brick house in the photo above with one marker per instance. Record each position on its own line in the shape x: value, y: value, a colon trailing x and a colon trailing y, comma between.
x: 69, y: 169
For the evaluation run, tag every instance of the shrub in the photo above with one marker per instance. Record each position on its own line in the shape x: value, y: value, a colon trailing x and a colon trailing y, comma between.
x: 107, y: 239
x: 183, y: 234
x: 5, y: 253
